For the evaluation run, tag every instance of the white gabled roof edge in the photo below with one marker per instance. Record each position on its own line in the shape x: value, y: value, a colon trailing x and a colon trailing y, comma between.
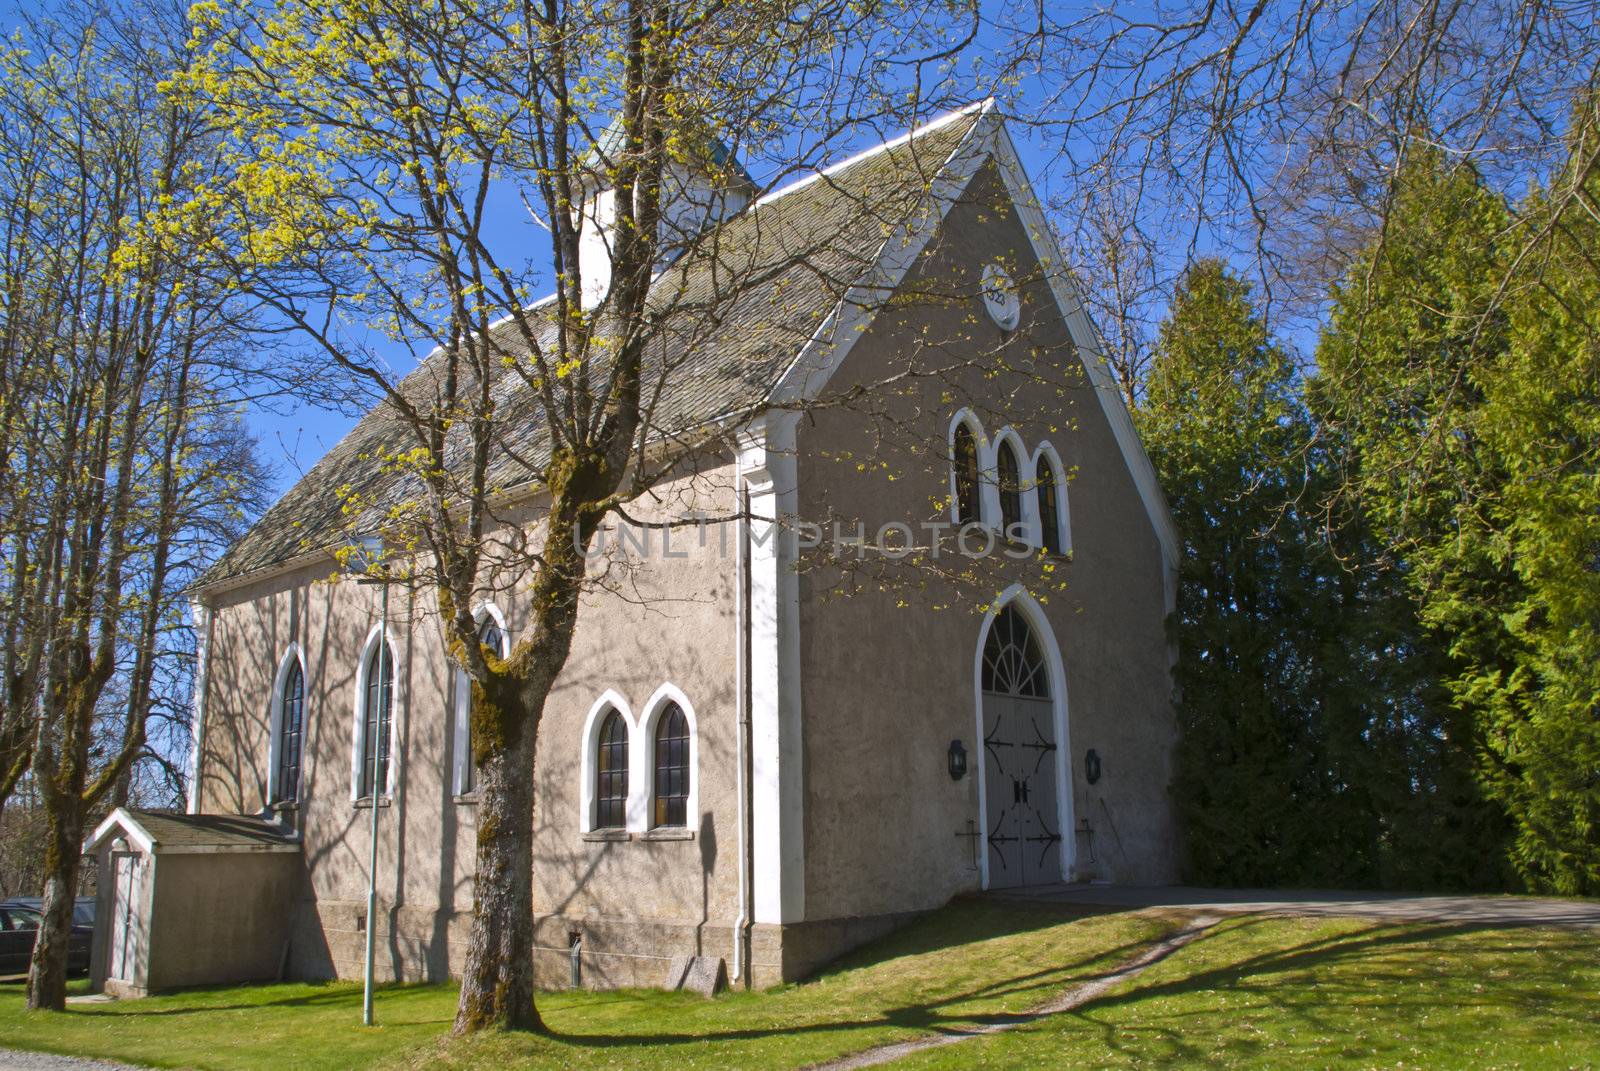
x: 120, y: 819
x: 834, y: 338
x: 866, y: 154
x: 820, y: 357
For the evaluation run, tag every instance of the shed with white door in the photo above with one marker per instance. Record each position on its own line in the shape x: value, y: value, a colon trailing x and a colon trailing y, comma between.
x: 189, y: 899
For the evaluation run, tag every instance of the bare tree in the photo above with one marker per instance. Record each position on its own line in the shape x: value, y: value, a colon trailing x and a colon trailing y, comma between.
x: 1274, y: 133
x: 124, y: 454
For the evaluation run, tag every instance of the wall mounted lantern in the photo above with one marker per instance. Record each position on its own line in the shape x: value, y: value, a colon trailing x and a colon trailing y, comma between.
x: 958, y: 761
x: 1091, y: 766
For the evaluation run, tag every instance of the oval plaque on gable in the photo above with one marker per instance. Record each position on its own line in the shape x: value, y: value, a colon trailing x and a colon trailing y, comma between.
x: 1000, y: 297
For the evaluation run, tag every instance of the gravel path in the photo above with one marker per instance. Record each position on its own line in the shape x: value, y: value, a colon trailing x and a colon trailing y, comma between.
x: 1069, y: 999
x: 1453, y: 910
x: 11, y: 1060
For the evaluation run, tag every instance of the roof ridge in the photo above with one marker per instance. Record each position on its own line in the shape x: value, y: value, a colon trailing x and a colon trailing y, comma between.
x: 929, y: 127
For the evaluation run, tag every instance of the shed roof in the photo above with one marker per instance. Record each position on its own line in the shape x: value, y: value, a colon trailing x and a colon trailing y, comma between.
x: 174, y: 832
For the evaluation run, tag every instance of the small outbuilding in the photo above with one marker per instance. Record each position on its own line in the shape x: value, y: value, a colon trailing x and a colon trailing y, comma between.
x: 190, y: 899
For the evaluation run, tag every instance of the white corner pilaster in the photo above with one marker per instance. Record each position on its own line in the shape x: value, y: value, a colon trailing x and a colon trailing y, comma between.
x: 202, y: 640
x: 767, y: 467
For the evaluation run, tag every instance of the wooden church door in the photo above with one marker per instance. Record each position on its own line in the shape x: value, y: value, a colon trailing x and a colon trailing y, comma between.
x: 1019, y: 754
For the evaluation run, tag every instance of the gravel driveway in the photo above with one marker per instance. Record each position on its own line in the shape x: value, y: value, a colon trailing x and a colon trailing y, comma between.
x: 11, y: 1060
x: 1491, y: 911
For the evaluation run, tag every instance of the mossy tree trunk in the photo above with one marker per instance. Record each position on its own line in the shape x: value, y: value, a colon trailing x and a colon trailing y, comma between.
x: 497, y: 983
x: 47, y: 971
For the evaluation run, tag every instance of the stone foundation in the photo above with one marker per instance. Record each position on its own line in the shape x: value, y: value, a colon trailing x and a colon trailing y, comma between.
x: 418, y: 945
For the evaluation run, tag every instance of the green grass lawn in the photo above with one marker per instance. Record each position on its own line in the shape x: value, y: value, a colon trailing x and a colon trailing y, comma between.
x: 1263, y: 992
x: 1254, y: 992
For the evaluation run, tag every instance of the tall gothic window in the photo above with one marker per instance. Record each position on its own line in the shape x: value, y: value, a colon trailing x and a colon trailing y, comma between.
x: 672, y: 768
x: 965, y: 459
x: 291, y: 731
x: 1049, y: 513
x: 490, y: 636
x: 1008, y: 473
x: 376, y: 722
x: 611, y: 774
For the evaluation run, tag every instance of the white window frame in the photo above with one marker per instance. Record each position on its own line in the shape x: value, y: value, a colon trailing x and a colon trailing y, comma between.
x: 292, y: 656
x: 589, y: 767
x: 642, y: 757
x: 357, y: 737
x: 461, y: 774
x: 990, y: 467
x: 980, y: 443
x: 1046, y: 452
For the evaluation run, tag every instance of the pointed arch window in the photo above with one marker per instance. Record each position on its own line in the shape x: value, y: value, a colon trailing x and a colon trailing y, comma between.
x: 672, y: 768
x: 1048, y: 484
x: 964, y: 456
x: 1012, y: 661
x: 376, y: 720
x: 291, y: 732
x: 611, y: 773
x: 1008, y: 473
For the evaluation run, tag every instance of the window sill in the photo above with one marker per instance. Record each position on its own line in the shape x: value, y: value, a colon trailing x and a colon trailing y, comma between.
x: 608, y: 835
x: 668, y: 833
x: 365, y: 803
x: 466, y: 799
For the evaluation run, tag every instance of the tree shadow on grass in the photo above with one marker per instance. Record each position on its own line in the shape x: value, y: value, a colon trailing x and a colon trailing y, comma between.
x: 960, y: 925
x: 1313, y: 1009
x: 336, y: 994
x: 1253, y: 973
x: 940, y: 1016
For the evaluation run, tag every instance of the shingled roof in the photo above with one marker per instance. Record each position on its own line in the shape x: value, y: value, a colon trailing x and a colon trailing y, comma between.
x: 177, y: 833
x: 794, y: 255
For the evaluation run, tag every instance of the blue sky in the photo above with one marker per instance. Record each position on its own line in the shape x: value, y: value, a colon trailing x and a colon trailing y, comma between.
x: 293, y: 435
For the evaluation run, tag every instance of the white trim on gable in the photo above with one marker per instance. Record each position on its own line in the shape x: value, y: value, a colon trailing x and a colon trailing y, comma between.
x: 125, y: 822
x: 836, y: 336
x: 292, y: 656
x: 866, y: 154
x: 642, y: 790
x: 120, y: 819
x: 357, y: 756
x: 460, y: 779
x: 588, y: 767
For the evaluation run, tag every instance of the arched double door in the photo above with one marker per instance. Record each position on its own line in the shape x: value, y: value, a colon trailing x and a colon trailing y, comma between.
x: 1019, y: 754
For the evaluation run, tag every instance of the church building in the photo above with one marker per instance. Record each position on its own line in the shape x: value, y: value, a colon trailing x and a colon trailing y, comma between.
x: 783, y: 734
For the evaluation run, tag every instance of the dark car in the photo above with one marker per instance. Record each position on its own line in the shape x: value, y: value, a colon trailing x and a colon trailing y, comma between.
x: 82, y: 908
x: 19, y: 923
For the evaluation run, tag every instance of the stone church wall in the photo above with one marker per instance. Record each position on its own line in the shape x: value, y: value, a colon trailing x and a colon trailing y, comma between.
x: 888, y: 686
x: 635, y: 899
